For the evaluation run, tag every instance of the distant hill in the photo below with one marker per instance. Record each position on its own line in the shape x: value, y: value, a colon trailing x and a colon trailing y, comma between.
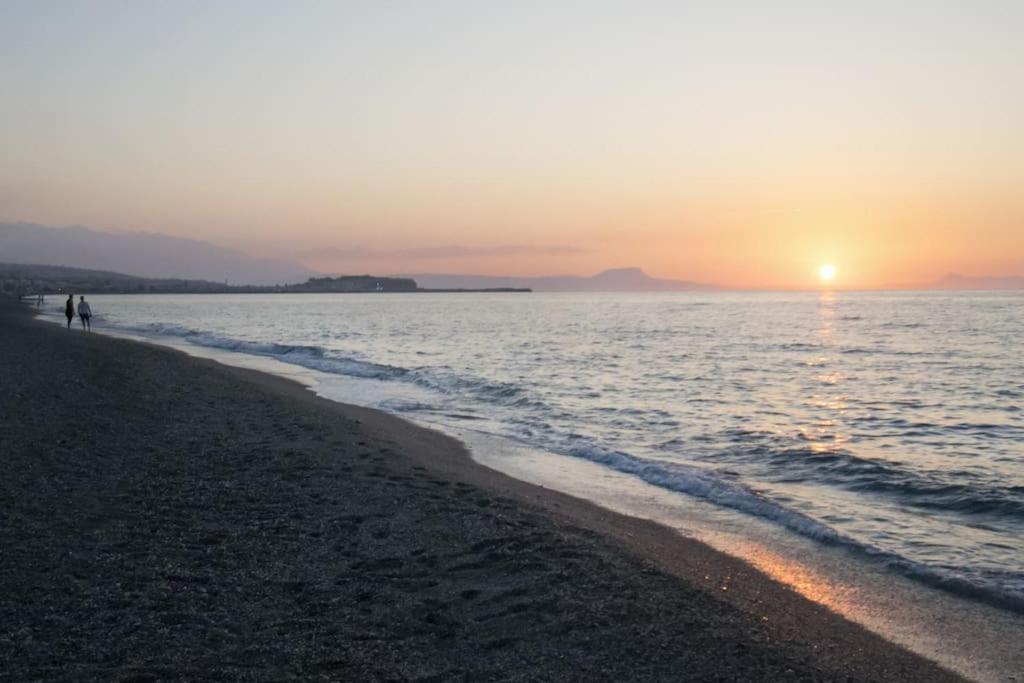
x: 955, y: 281
x: 19, y: 279
x: 142, y: 254
x: 26, y: 278
x: 617, y: 280
x: 355, y: 283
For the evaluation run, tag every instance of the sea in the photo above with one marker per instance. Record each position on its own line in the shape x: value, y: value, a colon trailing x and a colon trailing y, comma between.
x: 862, y: 447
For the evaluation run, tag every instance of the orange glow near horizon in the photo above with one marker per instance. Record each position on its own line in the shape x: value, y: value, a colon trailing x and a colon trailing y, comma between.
x: 742, y: 149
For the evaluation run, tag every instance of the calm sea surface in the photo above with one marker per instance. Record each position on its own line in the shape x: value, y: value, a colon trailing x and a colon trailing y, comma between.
x: 890, y: 423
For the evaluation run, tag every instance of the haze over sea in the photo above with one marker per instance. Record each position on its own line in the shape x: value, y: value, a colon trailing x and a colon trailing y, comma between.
x: 890, y: 423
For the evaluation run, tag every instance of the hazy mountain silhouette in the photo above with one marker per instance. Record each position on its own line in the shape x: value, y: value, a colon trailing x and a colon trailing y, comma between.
x: 143, y: 254
x: 616, y: 280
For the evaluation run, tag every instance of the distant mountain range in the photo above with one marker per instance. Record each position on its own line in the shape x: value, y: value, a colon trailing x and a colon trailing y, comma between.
x: 142, y: 254
x: 617, y: 280
x: 155, y: 256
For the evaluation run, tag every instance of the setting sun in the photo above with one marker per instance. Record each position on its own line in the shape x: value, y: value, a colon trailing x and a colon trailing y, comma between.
x: 827, y: 272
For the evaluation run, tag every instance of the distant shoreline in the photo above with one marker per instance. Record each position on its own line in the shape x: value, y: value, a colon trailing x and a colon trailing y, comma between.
x: 29, y: 280
x: 26, y: 297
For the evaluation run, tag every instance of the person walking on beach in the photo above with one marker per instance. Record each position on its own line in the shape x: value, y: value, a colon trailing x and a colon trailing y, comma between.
x: 69, y: 309
x: 84, y: 312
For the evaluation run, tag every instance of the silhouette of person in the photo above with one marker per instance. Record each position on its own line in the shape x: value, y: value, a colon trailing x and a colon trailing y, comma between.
x: 69, y: 309
x: 84, y: 312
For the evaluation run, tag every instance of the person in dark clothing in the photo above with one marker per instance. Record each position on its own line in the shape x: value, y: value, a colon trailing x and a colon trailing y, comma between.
x: 69, y: 309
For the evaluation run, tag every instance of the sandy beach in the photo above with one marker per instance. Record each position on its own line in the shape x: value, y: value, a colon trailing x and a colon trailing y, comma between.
x: 163, y: 517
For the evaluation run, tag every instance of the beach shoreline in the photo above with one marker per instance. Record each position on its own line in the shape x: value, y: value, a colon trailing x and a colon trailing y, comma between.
x: 527, y: 582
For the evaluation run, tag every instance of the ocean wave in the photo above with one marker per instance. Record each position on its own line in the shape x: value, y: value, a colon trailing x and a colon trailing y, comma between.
x: 441, y: 380
x: 1001, y: 589
x: 704, y: 484
x: 307, y: 356
x: 838, y: 467
x: 800, y: 346
x: 882, y: 351
x: 447, y: 381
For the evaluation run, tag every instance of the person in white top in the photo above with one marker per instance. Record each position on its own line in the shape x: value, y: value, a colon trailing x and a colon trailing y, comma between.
x: 84, y: 312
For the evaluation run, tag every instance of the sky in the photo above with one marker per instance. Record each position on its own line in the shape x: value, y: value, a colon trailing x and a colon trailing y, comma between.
x: 736, y: 143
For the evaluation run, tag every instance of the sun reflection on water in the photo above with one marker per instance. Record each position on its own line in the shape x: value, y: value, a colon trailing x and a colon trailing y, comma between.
x: 826, y: 405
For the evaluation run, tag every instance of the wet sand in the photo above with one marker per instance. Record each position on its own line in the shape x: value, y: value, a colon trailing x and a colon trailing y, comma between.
x: 164, y: 517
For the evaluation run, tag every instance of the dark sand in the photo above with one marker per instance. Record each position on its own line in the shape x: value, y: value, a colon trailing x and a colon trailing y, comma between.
x: 164, y: 517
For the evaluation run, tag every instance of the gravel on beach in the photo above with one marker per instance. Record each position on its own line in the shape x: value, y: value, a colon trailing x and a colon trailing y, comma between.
x: 168, y: 518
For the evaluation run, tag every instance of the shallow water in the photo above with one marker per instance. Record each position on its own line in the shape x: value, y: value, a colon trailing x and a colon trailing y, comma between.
x: 889, y: 424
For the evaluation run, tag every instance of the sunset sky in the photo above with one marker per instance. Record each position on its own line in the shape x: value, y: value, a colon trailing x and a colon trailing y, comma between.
x: 739, y: 143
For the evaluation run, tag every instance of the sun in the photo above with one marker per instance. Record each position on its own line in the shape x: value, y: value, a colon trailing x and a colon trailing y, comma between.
x: 827, y: 272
